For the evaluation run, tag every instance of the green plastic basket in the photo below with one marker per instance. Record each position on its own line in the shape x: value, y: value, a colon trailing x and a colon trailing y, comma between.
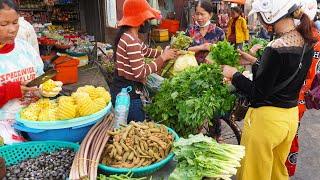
x: 16, y: 153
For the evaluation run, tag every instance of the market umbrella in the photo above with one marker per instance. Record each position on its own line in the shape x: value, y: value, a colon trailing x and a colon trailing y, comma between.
x: 236, y: 1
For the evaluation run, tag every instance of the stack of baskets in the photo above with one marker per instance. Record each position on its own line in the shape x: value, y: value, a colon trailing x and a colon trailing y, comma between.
x: 73, y: 130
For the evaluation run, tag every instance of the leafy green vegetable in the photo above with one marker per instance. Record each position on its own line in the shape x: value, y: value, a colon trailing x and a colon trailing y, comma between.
x: 120, y: 177
x: 1, y: 141
x: 183, y: 62
x: 187, y: 100
x: 181, y: 41
x: 200, y: 156
x: 223, y: 53
x: 255, y: 41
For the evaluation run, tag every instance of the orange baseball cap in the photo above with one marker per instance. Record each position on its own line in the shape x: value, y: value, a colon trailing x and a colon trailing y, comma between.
x: 136, y: 12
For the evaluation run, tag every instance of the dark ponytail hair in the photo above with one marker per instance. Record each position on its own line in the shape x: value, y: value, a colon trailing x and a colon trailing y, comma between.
x: 237, y: 10
x: 305, y: 29
x: 206, y: 5
x: 120, y: 32
x: 10, y: 3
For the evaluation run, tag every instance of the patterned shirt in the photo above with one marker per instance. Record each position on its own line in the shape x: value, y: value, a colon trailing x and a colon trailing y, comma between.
x: 213, y: 35
x: 130, y: 59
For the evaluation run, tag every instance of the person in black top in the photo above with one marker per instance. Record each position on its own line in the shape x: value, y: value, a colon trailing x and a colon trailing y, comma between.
x: 272, y: 120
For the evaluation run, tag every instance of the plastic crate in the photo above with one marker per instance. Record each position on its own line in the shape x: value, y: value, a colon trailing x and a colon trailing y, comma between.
x: 14, y: 154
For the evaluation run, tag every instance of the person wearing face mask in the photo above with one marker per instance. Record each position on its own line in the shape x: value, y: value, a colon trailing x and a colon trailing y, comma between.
x: 238, y: 31
x: 19, y: 64
x: 271, y: 122
x: 204, y: 33
x: 130, y: 68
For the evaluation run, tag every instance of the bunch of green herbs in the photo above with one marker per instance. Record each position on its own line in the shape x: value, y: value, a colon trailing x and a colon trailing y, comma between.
x: 223, y: 53
x: 253, y: 42
x: 186, y: 101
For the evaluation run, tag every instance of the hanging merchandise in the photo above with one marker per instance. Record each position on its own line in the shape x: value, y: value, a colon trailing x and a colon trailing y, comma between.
x: 111, y: 13
x: 155, y: 5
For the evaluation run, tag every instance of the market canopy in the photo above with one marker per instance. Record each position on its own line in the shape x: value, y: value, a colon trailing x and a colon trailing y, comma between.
x: 236, y: 1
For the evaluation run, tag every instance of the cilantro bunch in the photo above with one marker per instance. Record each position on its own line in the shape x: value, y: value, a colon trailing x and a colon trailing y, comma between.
x: 187, y: 100
x: 223, y: 53
x: 253, y: 42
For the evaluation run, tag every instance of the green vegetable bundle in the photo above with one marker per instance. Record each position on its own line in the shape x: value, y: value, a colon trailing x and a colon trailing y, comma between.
x: 200, y: 156
x: 120, y: 177
x: 223, y: 53
x: 255, y: 41
x: 187, y: 100
x: 181, y: 41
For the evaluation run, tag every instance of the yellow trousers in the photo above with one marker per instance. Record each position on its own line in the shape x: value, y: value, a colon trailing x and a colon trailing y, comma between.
x: 267, y: 136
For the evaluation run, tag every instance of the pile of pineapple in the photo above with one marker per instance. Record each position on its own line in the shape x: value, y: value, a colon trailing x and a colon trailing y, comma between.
x: 85, y: 101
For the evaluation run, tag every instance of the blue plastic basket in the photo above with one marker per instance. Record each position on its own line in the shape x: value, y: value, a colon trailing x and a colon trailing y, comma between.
x: 141, y: 171
x: 65, y: 123
x: 72, y: 134
x: 14, y: 154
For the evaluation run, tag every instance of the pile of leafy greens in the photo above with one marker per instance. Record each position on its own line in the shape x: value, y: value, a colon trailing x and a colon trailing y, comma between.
x: 253, y: 42
x: 223, y: 53
x: 200, y: 156
x: 186, y: 101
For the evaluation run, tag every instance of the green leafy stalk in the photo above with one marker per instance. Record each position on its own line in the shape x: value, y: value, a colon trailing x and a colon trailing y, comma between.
x: 181, y: 41
x: 189, y: 99
x: 200, y: 156
x: 120, y: 177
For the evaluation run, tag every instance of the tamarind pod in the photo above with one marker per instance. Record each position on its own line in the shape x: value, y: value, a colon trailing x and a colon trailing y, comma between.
x: 130, y: 157
x: 124, y: 146
x: 118, y: 147
x: 125, y: 156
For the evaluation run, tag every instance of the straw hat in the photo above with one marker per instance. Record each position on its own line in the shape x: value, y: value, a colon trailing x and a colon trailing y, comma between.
x: 136, y: 12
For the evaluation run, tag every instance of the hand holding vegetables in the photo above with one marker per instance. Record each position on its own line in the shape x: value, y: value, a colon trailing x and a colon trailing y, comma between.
x: 255, y: 48
x: 206, y: 46
x: 258, y: 50
x: 246, y: 59
x: 229, y: 71
x: 169, y: 54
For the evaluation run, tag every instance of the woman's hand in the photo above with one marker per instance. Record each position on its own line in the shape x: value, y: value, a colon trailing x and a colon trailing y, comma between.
x: 246, y: 59
x: 169, y: 54
x: 229, y: 71
x: 205, y: 46
x: 25, y: 89
x: 253, y: 51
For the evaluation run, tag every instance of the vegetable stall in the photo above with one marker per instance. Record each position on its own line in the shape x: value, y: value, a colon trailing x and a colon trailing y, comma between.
x: 73, y: 136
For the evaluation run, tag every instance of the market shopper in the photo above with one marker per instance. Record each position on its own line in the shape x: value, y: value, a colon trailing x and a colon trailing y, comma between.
x: 131, y: 70
x: 19, y: 63
x: 272, y: 120
x: 238, y: 31
x: 310, y: 8
x: 204, y: 32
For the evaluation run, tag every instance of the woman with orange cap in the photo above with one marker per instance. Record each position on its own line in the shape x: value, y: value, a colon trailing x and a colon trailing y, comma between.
x: 131, y: 70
